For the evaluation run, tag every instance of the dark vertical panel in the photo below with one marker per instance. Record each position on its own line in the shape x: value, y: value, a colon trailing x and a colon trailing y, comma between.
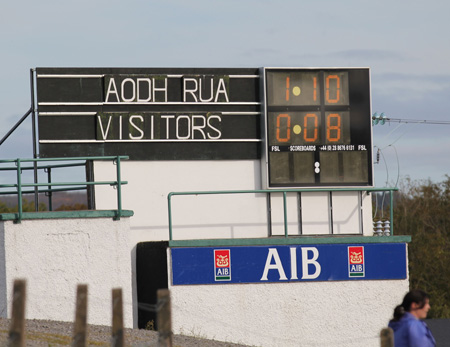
x: 151, y: 273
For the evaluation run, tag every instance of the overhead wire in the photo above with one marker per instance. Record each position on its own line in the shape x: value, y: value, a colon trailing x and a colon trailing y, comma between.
x: 389, y: 133
x: 423, y: 121
x: 401, y: 122
x: 407, y: 130
x: 379, y: 151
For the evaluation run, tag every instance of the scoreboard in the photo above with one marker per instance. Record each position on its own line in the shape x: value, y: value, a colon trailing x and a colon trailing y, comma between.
x: 311, y: 127
x: 149, y: 113
x: 317, y: 127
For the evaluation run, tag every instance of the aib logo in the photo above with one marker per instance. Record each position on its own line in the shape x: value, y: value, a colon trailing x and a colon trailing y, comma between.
x: 222, y: 265
x: 356, y: 266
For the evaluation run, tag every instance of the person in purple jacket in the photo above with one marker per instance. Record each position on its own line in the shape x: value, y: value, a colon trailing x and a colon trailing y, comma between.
x: 409, y: 330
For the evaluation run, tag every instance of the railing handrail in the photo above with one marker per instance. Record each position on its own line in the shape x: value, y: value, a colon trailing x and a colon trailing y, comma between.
x: 284, y: 192
x: 24, y: 160
x: 43, y: 167
x: 19, y: 185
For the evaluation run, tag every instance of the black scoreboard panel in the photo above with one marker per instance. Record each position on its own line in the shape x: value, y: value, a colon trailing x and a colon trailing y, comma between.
x: 318, y: 127
x: 315, y: 123
x: 149, y: 113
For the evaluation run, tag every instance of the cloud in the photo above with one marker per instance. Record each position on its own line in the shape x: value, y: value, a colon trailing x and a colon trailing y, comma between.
x: 443, y: 79
x: 369, y: 55
x: 413, y: 87
x: 345, y: 58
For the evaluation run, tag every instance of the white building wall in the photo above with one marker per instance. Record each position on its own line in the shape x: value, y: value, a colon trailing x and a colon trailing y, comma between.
x: 338, y: 314
x: 55, y: 255
x: 347, y: 313
x: 221, y: 216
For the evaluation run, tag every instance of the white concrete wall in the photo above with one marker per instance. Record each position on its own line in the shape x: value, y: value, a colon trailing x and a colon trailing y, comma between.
x: 150, y: 182
x: 55, y: 255
x: 338, y: 314
x: 3, y: 286
x: 219, y: 216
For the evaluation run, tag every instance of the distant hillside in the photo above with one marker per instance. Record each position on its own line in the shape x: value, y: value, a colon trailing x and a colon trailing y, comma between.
x: 58, y: 199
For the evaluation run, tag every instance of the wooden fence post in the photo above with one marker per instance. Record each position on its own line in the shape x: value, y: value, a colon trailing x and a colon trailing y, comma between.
x: 164, y: 318
x: 387, y: 337
x: 17, y: 328
x: 80, y: 326
x: 118, y: 338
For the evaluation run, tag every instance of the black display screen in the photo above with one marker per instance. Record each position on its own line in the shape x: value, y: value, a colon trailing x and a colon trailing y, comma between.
x: 318, y: 127
x: 150, y: 113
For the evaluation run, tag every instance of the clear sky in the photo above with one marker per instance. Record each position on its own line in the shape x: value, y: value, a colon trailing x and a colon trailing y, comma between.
x: 406, y: 44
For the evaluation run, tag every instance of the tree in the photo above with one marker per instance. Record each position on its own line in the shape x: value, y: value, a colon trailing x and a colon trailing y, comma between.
x: 72, y: 207
x: 421, y: 209
x: 26, y: 207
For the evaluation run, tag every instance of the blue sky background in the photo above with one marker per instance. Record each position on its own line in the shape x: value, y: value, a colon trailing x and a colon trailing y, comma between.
x: 406, y: 45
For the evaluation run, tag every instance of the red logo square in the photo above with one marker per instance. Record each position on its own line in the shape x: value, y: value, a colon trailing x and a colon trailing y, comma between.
x: 222, y: 258
x: 356, y: 255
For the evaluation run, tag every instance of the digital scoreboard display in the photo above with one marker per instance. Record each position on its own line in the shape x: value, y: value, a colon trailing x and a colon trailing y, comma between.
x: 311, y: 127
x: 318, y: 129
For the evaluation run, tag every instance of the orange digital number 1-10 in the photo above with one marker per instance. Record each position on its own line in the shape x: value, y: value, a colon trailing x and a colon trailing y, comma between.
x: 329, y: 98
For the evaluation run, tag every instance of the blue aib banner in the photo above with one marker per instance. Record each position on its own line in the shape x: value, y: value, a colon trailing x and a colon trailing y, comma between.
x: 292, y: 263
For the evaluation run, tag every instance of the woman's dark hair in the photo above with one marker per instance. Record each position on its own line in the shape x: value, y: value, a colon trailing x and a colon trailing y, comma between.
x: 418, y: 296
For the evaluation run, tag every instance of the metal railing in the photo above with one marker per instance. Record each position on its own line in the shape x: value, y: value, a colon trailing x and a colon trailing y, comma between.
x: 284, y: 193
x: 63, y: 186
